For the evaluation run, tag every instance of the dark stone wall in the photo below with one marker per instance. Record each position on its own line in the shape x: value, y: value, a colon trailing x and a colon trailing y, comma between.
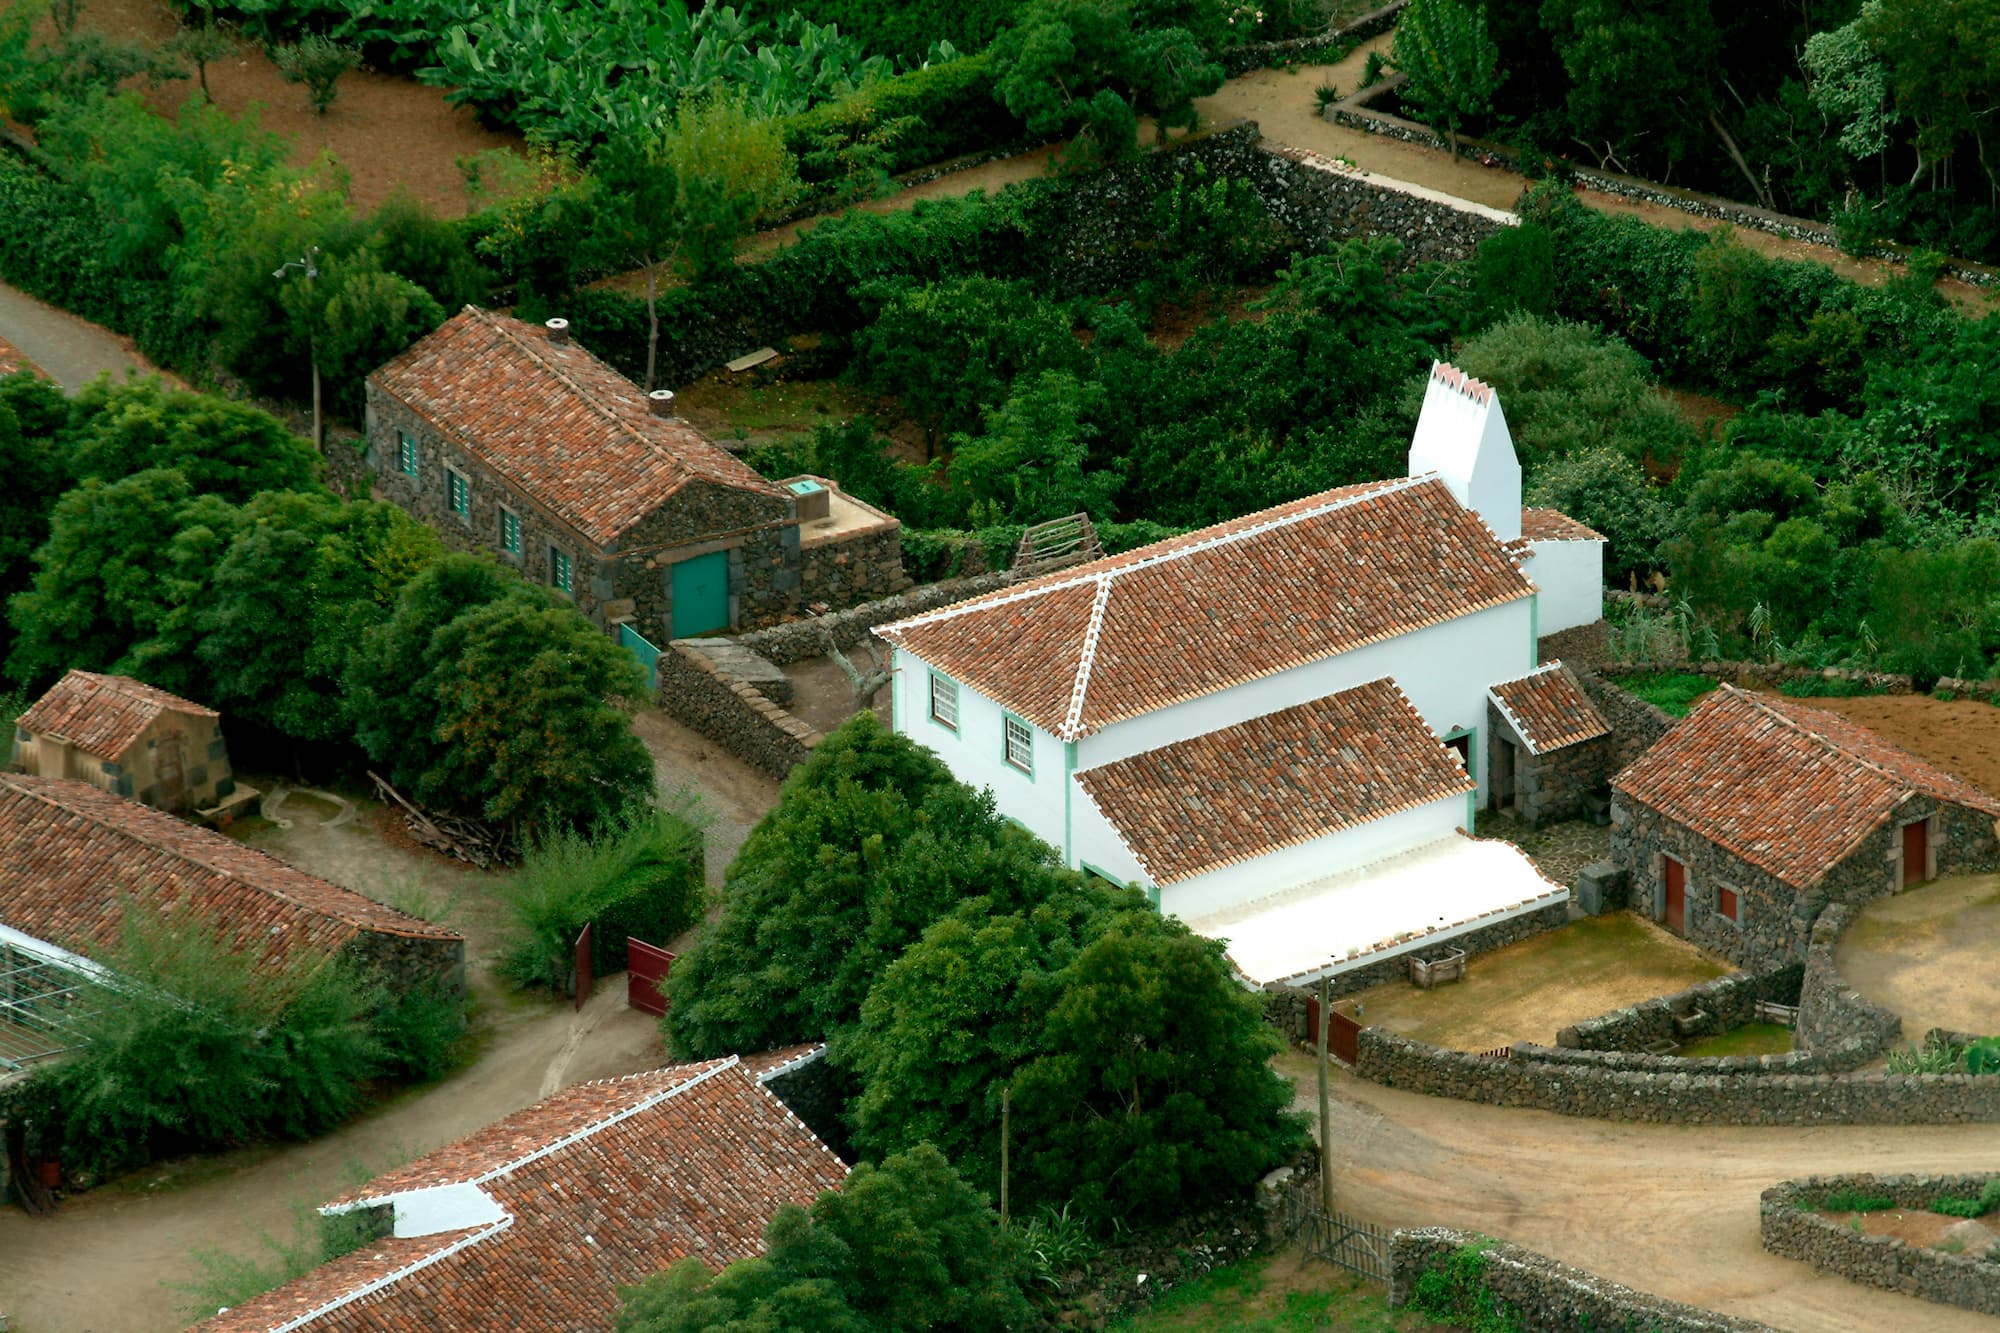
x: 1635, y: 724
x: 847, y: 570
x: 801, y: 639
x: 407, y: 961
x: 698, y: 693
x: 1790, y: 1225
x: 1323, y: 202
x: 1832, y: 1014
x: 817, y: 1093
x: 1550, y: 786
x: 1728, y: 1002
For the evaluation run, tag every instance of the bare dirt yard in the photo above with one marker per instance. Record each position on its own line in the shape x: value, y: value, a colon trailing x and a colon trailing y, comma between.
x: 1928, y: 954
x: 822, y: 695
x: 1531, y: 989
x: 1961, y: 736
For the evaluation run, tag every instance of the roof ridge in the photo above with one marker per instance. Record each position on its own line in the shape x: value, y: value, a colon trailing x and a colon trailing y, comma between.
x: 1081, y: 577
x: 1093, y: 628
x: 394, y: 1276
x: 617, y: 422
x: 1829, y: 742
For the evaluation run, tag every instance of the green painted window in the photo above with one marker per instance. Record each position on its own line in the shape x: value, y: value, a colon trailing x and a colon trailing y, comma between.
x: 510, y: 532
x: 1020, y: 745
x: 458, y: 492
x: 944, y: 702
x: 406, y: 454
x: 559, y: 569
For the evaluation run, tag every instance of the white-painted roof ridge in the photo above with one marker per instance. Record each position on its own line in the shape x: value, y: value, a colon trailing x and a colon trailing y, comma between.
x: 1073, y: 718
x: 389, y: 1279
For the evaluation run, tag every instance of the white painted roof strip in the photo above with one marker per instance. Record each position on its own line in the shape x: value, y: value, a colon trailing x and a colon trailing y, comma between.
x: 391, y: 1278
x: 1508, y: 713
x: 1073, y: 719
x: 1413, y: 900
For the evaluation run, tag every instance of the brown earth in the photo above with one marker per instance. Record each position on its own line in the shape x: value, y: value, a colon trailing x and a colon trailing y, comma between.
x: 1927, y: 954
x: 1961, y: 736
x: 1925, y: 1229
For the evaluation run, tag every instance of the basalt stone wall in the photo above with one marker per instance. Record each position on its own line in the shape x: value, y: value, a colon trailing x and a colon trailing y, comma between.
x: 1677, y: 1097
x: 863, y: 567
x: 1831, y: 1012
x: 408, y: 961
x: 735, y: 714
x: 1323, y: 201
x: 1724, y: 1003
x: 1553, y: 785
x: 1635, y: 724
x: 1545, y: 1296
x: 817, y: 1092
x: 1258, y: 55
x: 1791, y: 1225
x: 1286, y: 1007
x: 800, y: 639
x: 1827, y: 1060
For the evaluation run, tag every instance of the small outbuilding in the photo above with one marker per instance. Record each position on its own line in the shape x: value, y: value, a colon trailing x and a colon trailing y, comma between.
x: 1551, y: 747
x: 131, y: 740
x: 1757, y: 811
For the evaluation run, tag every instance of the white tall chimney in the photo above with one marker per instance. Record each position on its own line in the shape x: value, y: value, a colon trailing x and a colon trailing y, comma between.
x: 1462, y: 436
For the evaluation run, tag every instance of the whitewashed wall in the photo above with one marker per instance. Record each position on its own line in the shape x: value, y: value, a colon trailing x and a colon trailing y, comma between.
x: 1291, y: 867
x: 1571, y: 578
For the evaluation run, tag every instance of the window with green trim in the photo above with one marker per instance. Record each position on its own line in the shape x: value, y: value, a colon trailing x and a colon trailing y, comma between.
x: 944, y: 702
x: 559, y: 569
x: 458, y: 493
x: 406, y: 454
x: 1020, y: 743
x: 510, y: 532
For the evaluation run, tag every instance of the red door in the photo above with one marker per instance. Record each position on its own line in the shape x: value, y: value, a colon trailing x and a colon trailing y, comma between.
x: 1916, y: 852
x: 1677, y: 895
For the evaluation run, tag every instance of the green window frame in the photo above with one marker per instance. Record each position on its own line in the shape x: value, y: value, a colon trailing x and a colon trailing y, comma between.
x: 406, y: 454
x: 944, y: 702
x: 458, y: 493
x: 1017, y: 744
x: 510, y: 531
x: 559, y: 569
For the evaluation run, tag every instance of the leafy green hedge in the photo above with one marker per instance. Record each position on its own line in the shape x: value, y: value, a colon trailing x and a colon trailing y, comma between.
x: 907, y: 29
x: 952, y: 106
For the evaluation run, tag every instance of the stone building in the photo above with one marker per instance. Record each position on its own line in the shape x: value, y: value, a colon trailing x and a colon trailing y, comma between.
x: 1551, y: 747
x: 1745, y: 821
x: 129, y: 739
x: 512, y: 439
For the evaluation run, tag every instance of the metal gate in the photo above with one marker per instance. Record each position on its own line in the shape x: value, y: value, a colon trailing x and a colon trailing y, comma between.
x: 645, y: 975
x: 584, y: 979
x: 1362, y: 1248
x: 1343, y: 1034
x: 648, y: 655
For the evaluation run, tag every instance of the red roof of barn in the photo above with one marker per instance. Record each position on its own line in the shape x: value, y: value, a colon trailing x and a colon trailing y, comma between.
x: 556, y: 422
x: 1548, y: 709
x: 1274, y: 781
x: 103, y: 715
x: 1078, y: 650
x: 72, y: 856
x: 595, y: 1188
x: 1790, y: 789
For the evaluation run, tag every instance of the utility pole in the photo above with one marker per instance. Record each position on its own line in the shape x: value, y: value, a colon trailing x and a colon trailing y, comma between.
x: 307, y: 264
x: 1005, y: 1129
x: 1325, y: 1141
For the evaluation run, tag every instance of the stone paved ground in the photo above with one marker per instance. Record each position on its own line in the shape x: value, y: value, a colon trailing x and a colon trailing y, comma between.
x: 1558, y: 850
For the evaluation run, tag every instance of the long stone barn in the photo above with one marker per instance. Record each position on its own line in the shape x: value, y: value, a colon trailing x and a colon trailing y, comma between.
x: 514, y: 440
x: 1744, y: 822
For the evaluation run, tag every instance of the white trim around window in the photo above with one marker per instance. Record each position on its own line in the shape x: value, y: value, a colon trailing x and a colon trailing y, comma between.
x: 944, y: 701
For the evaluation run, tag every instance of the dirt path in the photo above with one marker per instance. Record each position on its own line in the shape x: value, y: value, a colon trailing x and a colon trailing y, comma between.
x: 1666, y: 1209
x: 1927, y: 953
x: 732, y: 795
x: 69, y: 350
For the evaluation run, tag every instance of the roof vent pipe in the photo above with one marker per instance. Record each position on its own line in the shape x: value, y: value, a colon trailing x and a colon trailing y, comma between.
x: 558, y: 330
x: 661, y: 403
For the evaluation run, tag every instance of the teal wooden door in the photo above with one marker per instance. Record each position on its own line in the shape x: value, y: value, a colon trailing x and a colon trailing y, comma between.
x: 701, y: 595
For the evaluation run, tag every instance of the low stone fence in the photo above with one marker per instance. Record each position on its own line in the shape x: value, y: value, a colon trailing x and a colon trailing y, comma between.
x: 1635, y: 724
x: 797, y: 640
x: 1540, y: 1294
x: 1675, y: 1096
x: 1258, y: 55
x: 1832, y: 1014
x: 733, y: 713
x: 1792, y: 1226
x: 1323, y: 202
x: 1724, y: 1003
x: 1773, y: 674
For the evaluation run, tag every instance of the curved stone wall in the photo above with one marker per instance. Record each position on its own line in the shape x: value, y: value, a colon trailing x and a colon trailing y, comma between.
x: 1791, y: 1225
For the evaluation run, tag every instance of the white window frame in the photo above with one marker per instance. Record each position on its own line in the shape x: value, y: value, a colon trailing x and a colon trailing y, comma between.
x: 1010, y: 727
x: 944, y: 701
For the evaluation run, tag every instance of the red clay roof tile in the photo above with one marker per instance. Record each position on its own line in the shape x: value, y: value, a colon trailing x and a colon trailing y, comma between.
x: 1552, y: 525
x: 1788, y: 788
x: 557, y: 423
x: 1078, y: 650
x: 102, y: 715
x: 1274, y: 781
x: 1549, y: 710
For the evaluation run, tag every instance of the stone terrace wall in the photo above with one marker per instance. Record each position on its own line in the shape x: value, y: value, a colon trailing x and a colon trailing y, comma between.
x: 409, y: 961
x: 1729, y: 1002
x: 1257, y: 55
x: 1791, y: 1227
x: 1831, y: 1012
x: 735, y: 714
x: 798, y: 640
x: 1545, y: 1296
x: 1323, y: 201
x: 1678, y: 1097
x: 1635, y: 724
x: 857, y: 568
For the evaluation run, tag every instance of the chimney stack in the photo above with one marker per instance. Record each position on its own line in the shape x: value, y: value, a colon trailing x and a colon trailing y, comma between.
x: 661, y: 403
x: 558, y: 331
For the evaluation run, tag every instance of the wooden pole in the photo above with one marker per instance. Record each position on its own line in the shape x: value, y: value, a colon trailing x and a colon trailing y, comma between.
x: 1325, y: 1104
x: 1005, y: 1128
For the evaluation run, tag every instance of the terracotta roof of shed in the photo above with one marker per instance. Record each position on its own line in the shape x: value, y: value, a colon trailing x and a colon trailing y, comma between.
x: 1553, y: 525
x: 557, y: 422
x: 1081, y: 649
x: 72, y: 855
x: 1790, y: 789
x: 1548, y: 709
x: 1274, y: 781
x: 103, y: 715
x: 597, y: 1187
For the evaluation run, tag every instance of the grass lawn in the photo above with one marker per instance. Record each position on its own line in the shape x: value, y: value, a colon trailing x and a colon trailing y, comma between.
x: 1275, y: 1293
x: 1750, y: 1039
x: 1530, y: 990
x: 1673, y: 693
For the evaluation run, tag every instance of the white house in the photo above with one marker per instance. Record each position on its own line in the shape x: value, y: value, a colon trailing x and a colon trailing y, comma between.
x: 1247, y: 717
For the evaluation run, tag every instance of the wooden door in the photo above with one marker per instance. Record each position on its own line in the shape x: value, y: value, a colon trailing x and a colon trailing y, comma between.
x: 1676, y: 896
x: 167, y: 772
x: 701, y: 595
x: 1916, y: 852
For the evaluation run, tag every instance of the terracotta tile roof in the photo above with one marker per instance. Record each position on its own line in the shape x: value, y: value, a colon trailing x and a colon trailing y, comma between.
x: 767, y: 1065
x: 1788, y: 788
x: 1552, y: 525
x: 595, y: 1188
x: 1274, y: 781
x: 71, y: 855
x: 1081, y: 649
x: 1548, y: 709
x: 102, y: 715
x: 557, y: 423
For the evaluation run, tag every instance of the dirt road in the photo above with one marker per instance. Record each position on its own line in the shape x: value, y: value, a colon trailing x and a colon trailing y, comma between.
x: 1666, y: 1209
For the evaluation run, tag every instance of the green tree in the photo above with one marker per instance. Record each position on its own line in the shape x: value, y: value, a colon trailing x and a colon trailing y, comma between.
x: 1606, y: 490
x: 1943, y: 62
x: 1850, y: 86
x: 1641, y: 72
x: 315, y: 62
x: 635, y: 213
x: 201, y: 42
x: 728, y: 165
x: 222, y: 448
x: 34, y: 466
x: 1451, y: 63
x: 1032, y: 462
x: 903, y: 1247
x: 353, y: 318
